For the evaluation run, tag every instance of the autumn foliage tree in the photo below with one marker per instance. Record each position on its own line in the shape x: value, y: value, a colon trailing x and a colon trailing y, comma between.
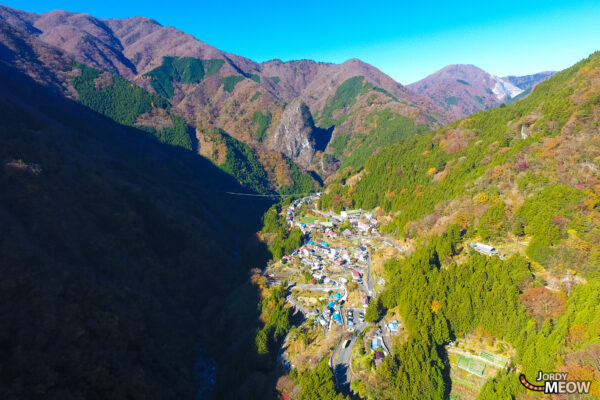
x: 542, y: 304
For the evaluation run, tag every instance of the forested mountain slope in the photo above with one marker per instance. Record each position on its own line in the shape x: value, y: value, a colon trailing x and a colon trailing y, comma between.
x: 511, y: 153
x: 523, y: 178
x: 116, y: 253
x: 128, y: 104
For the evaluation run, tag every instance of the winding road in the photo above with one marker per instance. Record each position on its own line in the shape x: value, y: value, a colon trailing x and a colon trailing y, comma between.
x: 342, y: 357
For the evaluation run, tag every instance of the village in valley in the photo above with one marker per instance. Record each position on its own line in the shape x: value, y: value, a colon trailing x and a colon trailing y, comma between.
x: 331, y: 280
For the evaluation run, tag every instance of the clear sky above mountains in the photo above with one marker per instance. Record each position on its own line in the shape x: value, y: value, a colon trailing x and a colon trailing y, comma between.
x: 407, y: 40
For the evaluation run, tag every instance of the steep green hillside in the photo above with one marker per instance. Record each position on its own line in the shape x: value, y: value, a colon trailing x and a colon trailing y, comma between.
x: 440, y: 303
x: 366, y: 118
x: 524, y: 178
x: 182, y: 70
x: 240, y: 161
x: 126, y: 103
x: 262, y: 122
x: 386, y: 128
x: 229, y: 82
x: 543, y: 140
x: 345, y: 97
x: 302, y: 183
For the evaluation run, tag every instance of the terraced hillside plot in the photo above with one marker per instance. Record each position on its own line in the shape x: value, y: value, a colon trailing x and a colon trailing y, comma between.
x: 471, y: 365
x: 469, y: 372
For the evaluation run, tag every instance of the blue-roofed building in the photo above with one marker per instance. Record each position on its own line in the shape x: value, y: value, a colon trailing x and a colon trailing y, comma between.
x: 337, y: 318
x: 377, y: 343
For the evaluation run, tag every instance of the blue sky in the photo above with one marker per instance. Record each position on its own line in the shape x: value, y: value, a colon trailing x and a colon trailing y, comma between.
x: 407, y: 40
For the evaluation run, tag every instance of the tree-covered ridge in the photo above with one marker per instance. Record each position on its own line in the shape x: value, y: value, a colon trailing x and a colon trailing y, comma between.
x: 344, y: 98
x: 240, y: 161
x: 125, y: 103
x: 512, y: 152
x: 302, y: 183
x: 278, y: 323
x: 182, y: 70
x: 113, y: 96
x: 385, y: 128
x: 281, y: 239
x: 262, y: 122
x: 318, y: 384
x: 229, y: 82
x: 366, y: 118
x: 548, y: 216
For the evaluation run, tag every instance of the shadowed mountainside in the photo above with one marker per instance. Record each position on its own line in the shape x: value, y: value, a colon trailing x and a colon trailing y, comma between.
x: 115, y: 252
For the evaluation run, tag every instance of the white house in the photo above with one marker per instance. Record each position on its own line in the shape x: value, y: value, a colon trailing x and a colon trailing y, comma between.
x: 362, y: 226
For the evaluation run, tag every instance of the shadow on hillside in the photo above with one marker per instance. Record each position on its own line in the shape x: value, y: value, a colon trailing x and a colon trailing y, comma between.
x: 120, y: 255
x: 322, y: 137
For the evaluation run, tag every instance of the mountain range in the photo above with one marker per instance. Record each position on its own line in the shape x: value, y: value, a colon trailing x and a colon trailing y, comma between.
x: 211, y: 88
x: 334, y: 111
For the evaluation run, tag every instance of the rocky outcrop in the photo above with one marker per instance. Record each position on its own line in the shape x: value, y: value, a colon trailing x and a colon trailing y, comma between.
x: 294, y: 136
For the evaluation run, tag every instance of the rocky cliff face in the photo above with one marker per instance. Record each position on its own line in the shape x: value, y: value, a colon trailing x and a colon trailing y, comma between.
x: 528, y: 81
x: 295, y: 134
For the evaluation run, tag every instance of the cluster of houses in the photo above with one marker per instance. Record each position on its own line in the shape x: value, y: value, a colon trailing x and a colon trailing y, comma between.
x: 312, y: 224
x: 377, y: 343
x: 291, y: 210
x: 317, y: 255
x: 362, y: 222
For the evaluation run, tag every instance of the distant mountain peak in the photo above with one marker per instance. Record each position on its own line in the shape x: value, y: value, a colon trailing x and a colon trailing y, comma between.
x: 464, y: 89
